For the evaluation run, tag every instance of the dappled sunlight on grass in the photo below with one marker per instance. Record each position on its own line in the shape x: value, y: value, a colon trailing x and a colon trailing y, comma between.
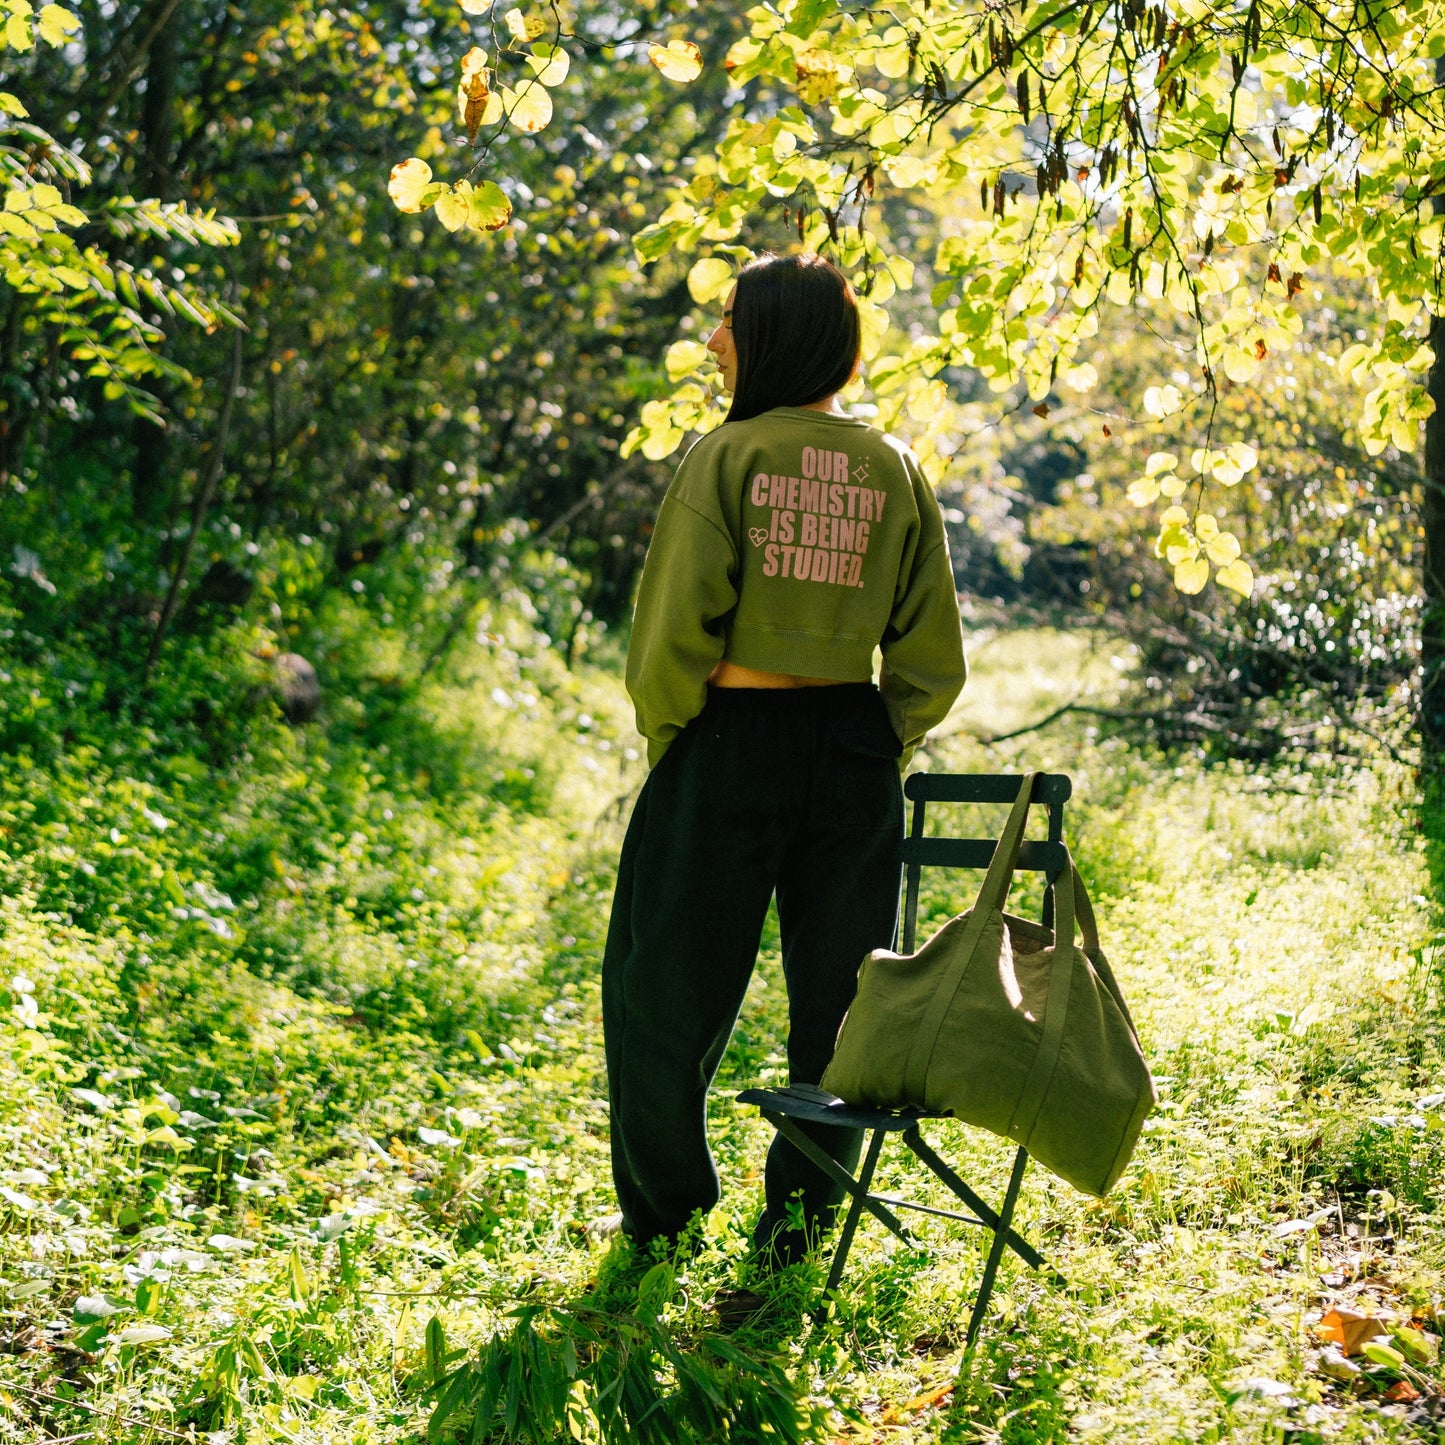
x: 1019, y: 677
x: 279, y: 1158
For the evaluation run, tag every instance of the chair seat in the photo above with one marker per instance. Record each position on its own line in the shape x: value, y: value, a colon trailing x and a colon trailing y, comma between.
x: 806, y: 1102
x: 818, y: 1106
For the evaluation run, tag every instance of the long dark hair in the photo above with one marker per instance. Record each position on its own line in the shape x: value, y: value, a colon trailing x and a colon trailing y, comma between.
x: 795, y: 327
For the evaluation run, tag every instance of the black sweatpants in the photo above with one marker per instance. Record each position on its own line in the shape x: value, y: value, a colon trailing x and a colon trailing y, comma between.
x: 791, y: 791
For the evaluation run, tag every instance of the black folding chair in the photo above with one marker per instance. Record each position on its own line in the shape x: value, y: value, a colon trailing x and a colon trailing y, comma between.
x: 804, y: 1102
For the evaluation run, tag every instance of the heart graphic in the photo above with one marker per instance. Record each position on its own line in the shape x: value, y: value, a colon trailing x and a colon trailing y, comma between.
x: 758, y: 535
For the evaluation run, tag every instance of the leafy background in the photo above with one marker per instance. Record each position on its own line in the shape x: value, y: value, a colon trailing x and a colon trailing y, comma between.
x: 301, y: 1090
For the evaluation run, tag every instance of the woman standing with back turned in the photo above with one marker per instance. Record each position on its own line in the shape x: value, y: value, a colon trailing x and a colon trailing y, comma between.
x: 793, y: 541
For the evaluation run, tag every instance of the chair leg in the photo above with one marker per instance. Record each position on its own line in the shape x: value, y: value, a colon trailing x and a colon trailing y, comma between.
x: 855, y: 1211
x: 850, y: 1223
x: 995, y: 1253
x: 1015, y: 1241
x: 835, y: 1171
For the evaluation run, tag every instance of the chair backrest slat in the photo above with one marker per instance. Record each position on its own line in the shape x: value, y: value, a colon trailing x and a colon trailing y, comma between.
x: 1052, y: 790
x: 978, y: 853
x: 985, y: 787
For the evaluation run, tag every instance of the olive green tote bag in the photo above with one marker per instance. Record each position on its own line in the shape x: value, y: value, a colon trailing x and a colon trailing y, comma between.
x: 1005, y: 1025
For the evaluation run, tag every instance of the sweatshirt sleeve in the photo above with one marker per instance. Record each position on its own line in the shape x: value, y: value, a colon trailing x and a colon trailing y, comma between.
x: 686, y: 593
x: 923, y: 663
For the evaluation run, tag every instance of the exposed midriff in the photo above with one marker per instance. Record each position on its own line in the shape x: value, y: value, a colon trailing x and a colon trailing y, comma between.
x: 729, y: 674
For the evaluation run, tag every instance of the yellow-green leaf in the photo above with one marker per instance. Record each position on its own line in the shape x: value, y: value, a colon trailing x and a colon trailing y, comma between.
x: 893, y: 60
x: 658, y: 445
x: 476, y: 7
x: 1240, y: 363
x: 709, y: 278
x: 454, y: 208
x: 524, y: 27
x: 1421, y: 1349
x: 1223, y: 549
x: 1352, y: 357
x: 1162, y: 401
x: 529, y: 109
x: 1242, y: 455
x: 12, y: 105
x: 1190, y: 577
x: 1206, y: 527
x: 56, y: 23
x: 1176, y: 542
x: 490, y: 208
x: 17, y: 33
x: 1170, y: 486
x: 1237, y: 577
x: 678, y: 60
x: 164, y: 1134
x: 1381, y: 1354
x: 1143, y: 490
x: 816, y: 87
x: 1160, y: 462
x: 409, y: 181
x: 683, y: 358
x: 549, y: 63
x: 873, y: 323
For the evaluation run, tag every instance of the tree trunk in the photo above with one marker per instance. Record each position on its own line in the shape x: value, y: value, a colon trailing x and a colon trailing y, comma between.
x: 158, y: 109
x: 150, y: 493
x: 1432, y: 518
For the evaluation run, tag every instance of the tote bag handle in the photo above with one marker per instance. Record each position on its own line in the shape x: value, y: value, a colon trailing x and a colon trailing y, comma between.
x: 990, y: 899
x: 1056, y: 1004
x: 1085, y: 912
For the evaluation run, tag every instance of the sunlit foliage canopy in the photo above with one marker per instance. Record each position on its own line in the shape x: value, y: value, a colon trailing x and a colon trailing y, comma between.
x: 1188, y: 158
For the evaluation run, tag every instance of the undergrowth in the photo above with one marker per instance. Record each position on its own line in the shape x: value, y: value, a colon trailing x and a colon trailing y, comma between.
x: 302, y: 1115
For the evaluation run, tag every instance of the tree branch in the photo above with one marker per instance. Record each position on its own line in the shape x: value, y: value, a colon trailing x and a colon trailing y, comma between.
x: 202, y: 506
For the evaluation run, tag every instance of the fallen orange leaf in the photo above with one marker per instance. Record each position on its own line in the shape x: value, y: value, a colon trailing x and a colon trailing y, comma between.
x: 1349, y: 1329
x: 919, y: 1402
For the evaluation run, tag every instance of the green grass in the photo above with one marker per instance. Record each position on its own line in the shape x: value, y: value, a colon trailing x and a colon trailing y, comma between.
x: 301, y: 1095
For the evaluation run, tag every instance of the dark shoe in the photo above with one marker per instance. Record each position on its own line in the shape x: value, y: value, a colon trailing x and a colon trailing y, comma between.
x: 735, y: 1307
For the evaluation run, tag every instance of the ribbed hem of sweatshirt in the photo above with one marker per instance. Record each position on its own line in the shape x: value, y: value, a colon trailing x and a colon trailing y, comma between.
x: 806, y: 654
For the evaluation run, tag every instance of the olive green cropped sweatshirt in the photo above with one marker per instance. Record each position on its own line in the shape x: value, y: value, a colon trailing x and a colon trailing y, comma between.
x: 797, y: 541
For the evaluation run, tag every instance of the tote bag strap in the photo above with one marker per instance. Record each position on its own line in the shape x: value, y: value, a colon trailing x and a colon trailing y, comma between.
x: 1085, y: 912
x: 990, y: 899
x: 1000, y: 876
x: 1056, y: 1005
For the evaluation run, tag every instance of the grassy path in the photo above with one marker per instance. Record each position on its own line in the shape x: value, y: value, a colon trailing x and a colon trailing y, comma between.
x: 248, y: 1155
